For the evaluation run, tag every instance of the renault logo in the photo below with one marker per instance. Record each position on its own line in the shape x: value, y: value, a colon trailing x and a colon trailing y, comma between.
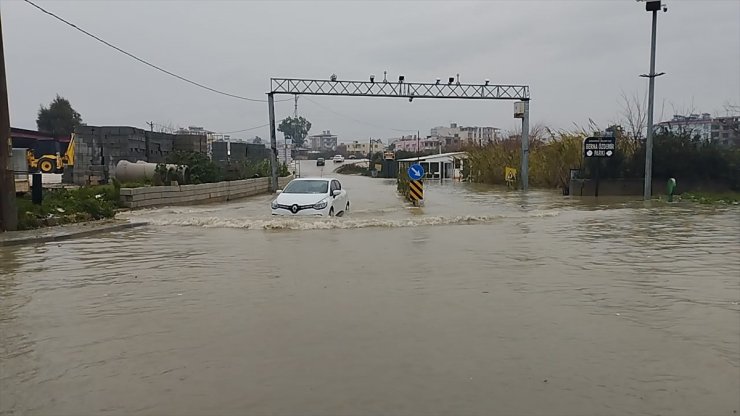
x: 294, y: 209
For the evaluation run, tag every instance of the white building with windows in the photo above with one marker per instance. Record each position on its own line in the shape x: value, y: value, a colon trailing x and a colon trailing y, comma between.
x: 322, y: 142
x: 412, y: 143
x: 456, y: 135
x: 694, y: 125
x: 284, y: 151
x: 724, y: 131
x: 363, y: 147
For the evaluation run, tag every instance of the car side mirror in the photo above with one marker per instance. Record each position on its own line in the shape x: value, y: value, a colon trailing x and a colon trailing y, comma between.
x: 336, y: 193
x: 279, y: 191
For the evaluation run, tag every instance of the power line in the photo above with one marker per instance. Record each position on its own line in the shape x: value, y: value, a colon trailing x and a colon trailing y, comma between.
x: 158, y: 68
x: 243, y: 130
x: 356, y: 120
x: 172, y: 129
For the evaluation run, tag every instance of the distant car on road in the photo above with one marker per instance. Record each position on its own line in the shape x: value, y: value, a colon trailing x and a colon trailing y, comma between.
x: 320, y: 162
x: 338, y: 159
x: 311, y: 197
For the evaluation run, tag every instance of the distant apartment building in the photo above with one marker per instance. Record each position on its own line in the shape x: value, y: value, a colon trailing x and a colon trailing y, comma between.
x: 363, y: 147
x: 322, y: 142
x: 724, y: 131
x: 200, y: 131
x: 455, y: 135
x: 694, y: 125
x: 414, y: 144
x: 284, y: 151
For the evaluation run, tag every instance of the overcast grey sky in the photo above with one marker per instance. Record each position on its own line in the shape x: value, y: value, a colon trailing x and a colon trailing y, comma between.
x: 577, y: 57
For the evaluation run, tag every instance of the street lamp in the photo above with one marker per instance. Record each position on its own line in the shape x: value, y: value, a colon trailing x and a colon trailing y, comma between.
x: 652, y: 6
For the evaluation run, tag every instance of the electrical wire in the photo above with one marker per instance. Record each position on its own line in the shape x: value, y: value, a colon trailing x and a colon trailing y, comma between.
x: 158, y: 68
x: 172, y: 130
x: 356, y: 120
x: 243, y: 130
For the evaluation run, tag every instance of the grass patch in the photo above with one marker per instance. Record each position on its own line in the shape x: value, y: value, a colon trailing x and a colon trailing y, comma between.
x: 66, y: 206
x: 730, y: 198
x: 352, y: 169
x: 138, y: 184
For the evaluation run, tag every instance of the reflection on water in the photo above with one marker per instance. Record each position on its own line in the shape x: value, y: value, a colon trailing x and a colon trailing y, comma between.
x: 485, y: 301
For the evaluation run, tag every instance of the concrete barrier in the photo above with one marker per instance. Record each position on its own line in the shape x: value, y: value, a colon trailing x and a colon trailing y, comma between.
x: 151, y: 196
x: 634, y: 187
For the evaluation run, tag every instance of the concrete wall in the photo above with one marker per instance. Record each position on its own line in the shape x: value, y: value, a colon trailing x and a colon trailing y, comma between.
x: 238, y: 152
x: 220, y: 152
x: 99, y: 148
x: 190, y: 194
x: 608, y: 187
x: 625, y: 187
x: 257, y: 152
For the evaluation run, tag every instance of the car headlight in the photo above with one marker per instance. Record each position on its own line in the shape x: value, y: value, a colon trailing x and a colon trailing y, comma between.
x: 274, y: 204
x: 321, y: 204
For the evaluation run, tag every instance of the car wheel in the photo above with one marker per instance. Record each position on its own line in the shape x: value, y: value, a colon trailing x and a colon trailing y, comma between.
x: 331, y: 211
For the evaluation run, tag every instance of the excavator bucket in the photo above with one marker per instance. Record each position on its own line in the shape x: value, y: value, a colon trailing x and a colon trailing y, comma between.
x: 69, y: 155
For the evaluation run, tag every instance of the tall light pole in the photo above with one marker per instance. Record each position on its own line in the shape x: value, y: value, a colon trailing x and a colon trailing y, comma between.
x: 652, y: 6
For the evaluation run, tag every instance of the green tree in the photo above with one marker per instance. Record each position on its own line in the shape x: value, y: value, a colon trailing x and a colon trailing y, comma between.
x: 59, y: 119
x: 295, y: 129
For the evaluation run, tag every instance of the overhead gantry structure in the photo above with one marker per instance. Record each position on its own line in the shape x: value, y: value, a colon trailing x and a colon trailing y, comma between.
x: 452, y: 89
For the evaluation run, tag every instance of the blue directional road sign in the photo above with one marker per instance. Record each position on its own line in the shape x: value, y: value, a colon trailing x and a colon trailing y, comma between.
x: 416, y: 172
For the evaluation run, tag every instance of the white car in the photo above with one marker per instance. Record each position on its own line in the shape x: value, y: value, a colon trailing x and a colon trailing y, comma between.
x: 338, y: 159
x: 311, y: 197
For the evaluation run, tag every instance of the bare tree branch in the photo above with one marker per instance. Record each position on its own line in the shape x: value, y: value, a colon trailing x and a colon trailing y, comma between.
x: 634, y: 111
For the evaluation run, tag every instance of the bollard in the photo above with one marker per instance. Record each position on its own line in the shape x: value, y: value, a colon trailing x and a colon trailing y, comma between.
x: 671, y: 188
x: 36, y: 188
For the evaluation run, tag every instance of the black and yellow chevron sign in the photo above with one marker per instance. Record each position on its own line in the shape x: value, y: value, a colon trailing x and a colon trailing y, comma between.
x: 416, y: 190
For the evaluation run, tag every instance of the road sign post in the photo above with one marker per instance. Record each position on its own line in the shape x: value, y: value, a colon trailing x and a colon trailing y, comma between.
x: 599, y: 148
x: 416, y: 192
x: 416, y: 172
x: 510, y: 176
x: 416, y: 185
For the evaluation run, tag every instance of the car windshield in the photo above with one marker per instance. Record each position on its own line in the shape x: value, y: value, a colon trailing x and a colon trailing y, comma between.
x: 307, y: 187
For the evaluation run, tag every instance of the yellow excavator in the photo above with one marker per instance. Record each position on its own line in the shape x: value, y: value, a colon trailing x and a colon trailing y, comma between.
x: 52, y: 163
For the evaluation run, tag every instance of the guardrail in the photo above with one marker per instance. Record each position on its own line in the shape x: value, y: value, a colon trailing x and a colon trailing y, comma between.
x: 151, y: 196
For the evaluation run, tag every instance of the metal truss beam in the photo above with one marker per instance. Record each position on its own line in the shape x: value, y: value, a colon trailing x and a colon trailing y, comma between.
x: 398, y: 89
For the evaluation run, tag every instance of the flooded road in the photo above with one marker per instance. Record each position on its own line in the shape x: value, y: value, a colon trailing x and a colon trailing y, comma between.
x: 484, y: 302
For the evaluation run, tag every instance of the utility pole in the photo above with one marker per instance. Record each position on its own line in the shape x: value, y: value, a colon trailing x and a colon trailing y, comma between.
x: 654, y: 7
x: 418, y: 146
x: 292, y: 145
x: 525, y: 146
x: 8, y: 210
x: 151, y: 125
x: 273, y: 143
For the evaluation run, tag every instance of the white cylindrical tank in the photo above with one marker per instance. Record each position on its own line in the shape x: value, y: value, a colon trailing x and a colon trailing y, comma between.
x: 141, y: 170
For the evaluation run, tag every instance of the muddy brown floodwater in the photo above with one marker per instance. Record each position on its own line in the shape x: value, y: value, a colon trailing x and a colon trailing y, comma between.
x: 483, y: 302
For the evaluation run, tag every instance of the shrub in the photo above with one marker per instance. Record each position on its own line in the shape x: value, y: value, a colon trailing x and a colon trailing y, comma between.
x: 62, y: 206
